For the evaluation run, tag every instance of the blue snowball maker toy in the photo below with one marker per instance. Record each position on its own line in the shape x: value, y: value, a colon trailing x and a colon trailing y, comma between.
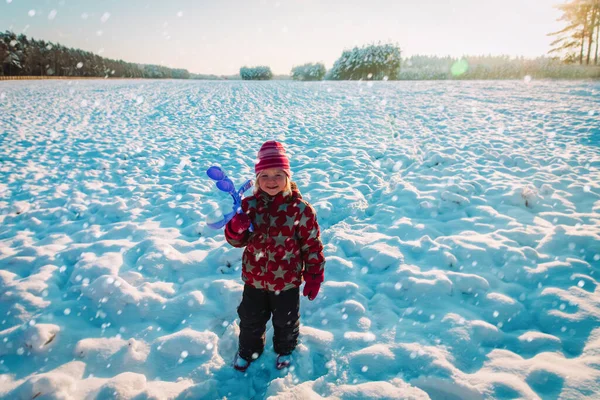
x: 226, y: 185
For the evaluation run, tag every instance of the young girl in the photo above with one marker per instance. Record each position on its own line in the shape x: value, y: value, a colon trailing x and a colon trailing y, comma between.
x: 284, y: 247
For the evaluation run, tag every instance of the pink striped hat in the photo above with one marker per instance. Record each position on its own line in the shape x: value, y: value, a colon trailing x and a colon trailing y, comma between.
x: 272, y: 155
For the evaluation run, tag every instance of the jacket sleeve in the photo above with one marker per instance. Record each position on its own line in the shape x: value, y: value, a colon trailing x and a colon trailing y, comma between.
x: 311, y: 246
x: 235, y: 239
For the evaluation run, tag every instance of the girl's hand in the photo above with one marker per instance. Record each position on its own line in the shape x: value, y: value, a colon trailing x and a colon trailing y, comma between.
x: 311, y: 289
x: 240, y: 223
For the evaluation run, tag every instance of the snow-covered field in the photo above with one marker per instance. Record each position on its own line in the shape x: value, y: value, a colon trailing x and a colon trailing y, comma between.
x: 461, y: 223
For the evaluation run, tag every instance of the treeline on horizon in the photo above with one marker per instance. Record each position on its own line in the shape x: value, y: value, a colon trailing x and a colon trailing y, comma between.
x: 372, y: 63
x: 22, y: 56
x: 492, y: 67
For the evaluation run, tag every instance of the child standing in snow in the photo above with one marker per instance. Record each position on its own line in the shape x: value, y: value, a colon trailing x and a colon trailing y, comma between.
x: 284, y: 248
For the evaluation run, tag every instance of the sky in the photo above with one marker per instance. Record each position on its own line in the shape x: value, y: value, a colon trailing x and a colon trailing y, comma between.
x: 219, y: 37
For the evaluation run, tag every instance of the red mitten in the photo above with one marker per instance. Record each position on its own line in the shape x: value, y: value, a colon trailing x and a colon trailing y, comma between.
x: 239, y: 223
x: 312, y: 285
x: 311, y: 289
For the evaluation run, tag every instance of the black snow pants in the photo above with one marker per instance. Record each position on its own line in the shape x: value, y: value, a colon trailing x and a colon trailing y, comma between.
x: 255, y: 310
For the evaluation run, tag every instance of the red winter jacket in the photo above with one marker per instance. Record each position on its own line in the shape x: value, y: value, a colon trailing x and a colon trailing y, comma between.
x: 285, y: 244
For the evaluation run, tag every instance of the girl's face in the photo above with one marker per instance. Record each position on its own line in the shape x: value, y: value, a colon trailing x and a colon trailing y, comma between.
x: 272, y: 181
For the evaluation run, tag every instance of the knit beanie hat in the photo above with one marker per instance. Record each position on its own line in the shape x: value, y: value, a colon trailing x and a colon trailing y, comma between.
x: 272, y: 155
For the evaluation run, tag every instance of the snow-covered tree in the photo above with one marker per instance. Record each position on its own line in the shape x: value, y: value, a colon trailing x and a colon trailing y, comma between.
x: 260, y: 73
x: 309, y: 72
x: 373, y: 62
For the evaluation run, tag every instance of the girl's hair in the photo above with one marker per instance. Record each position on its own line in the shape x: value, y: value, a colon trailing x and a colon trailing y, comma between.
x: 286, y: 189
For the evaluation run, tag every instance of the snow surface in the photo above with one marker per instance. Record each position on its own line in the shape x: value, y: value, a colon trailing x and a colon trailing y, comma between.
x: 461, y: 223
